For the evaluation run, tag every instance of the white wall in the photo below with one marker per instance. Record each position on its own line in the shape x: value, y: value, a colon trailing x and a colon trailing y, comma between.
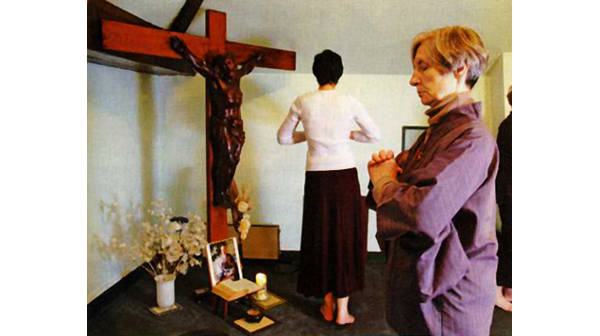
x: 121, y: 161
x: 146, y: 141
x: 498, y: 79
x: 182, y: 153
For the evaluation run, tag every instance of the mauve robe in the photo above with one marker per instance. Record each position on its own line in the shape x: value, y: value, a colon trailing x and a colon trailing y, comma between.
x: 436, y: 224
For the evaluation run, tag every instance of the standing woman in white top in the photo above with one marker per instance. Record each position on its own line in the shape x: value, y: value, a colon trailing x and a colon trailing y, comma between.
x: 334, y: 224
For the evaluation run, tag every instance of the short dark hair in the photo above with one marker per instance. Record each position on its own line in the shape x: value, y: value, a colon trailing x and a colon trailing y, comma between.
x: 328, y: 67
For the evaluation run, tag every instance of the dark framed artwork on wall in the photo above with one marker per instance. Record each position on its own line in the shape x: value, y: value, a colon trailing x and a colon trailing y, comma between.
x: 410, y: 134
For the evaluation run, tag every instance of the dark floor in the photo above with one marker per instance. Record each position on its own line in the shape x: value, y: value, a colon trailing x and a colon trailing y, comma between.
x: 124, y: 310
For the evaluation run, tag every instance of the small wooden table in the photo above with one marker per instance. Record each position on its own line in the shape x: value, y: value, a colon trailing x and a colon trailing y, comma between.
x: 216, y: 296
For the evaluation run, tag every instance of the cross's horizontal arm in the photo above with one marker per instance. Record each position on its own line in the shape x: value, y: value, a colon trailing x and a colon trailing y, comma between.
x: 135, y: 39
x: 273, y: 58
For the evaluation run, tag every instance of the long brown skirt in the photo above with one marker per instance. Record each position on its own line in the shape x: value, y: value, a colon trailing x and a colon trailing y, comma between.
x: 334, y: 234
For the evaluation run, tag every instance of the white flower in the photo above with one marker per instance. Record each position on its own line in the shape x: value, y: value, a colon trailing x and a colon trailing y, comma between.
x: 166, y: 241
x: 162, y: 244
x: 245, y: 224
x: 174, y: 226
x: 182, y: 268
x: 172, y: 256
x: 195, y: 250
x: 242, y: 206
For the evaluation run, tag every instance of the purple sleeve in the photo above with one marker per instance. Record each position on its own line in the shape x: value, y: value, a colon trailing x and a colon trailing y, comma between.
x: 432, y: 195
x: 427, y: 200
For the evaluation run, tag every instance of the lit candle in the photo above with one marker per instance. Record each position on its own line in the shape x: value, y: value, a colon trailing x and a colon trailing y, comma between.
x: 261, y: 280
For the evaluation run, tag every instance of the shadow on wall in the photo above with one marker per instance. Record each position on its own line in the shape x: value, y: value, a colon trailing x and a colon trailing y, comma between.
x: 183, y: 144
x: 113, y: 218
x: 259, y: 112
x: 250, y: 158
x: 147, y: 126
x: 180, y: 191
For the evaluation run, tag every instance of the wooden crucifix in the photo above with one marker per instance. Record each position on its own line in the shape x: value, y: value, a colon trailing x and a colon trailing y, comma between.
x: 135, y: 39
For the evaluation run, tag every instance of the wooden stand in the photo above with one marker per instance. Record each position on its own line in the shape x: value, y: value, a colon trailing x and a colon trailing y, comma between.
x: 160, y: 311
x: 272, y: 301
x: 226, y: 296
x: 217, y: 295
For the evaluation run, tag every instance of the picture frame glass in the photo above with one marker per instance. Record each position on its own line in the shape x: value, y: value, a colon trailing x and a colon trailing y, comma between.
x: 410, y: 134
x: 224, y: 261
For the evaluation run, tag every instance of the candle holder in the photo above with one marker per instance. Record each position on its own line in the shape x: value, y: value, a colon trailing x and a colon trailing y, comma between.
x: 261, y: 295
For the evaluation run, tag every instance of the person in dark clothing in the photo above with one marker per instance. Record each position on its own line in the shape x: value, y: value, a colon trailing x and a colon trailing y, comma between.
x: 333, y: 245
x: 504, y: 200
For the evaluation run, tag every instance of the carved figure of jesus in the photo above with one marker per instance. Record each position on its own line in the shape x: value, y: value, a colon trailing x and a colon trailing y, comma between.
x: 227, y: 135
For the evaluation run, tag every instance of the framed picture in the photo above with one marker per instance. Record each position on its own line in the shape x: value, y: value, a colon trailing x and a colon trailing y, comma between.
x: 410, y: 134
x: 224, y: 261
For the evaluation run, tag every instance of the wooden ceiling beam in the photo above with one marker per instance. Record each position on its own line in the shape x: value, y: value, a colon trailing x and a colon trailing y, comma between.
x: 98, y: 10
x: 186, y: 15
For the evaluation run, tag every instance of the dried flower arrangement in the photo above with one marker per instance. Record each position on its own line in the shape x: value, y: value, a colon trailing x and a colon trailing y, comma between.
x: 169, y: 245
x: 243, y: 207
x: 239, y: 213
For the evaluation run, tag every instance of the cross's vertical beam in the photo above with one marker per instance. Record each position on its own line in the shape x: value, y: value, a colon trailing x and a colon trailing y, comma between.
x: 216, y: 30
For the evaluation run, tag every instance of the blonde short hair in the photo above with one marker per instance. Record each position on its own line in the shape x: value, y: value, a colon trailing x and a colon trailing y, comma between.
x: 454, y: 46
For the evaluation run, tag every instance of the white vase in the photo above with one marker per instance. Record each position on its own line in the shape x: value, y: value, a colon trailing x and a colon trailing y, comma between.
x: 165, y: 291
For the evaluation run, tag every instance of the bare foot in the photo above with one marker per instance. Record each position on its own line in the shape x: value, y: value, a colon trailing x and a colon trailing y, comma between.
x: 343, y: 319
x: 327, y: 312
x: 328, y: 307
x: 343, y: 316
x: 501, y: 301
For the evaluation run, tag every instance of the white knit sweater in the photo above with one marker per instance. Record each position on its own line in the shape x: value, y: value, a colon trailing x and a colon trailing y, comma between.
x: 328, y: 118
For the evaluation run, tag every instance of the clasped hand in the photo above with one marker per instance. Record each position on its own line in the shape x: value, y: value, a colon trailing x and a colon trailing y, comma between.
x: 382, y: 165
